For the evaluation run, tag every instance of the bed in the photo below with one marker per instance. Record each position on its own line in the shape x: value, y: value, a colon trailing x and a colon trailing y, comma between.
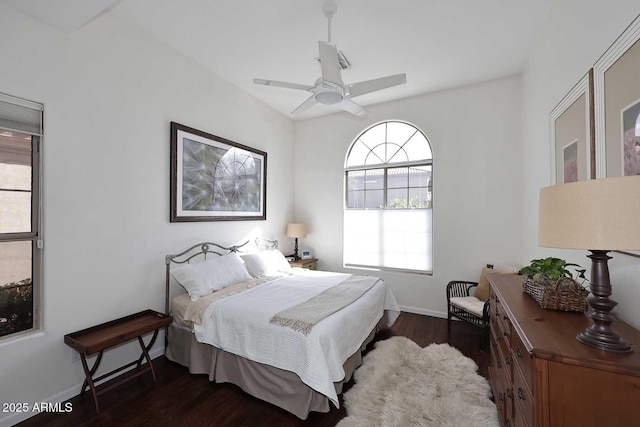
x: 291, y: 337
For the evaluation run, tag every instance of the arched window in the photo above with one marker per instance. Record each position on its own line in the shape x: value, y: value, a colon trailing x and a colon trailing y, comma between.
x: 388, y: 199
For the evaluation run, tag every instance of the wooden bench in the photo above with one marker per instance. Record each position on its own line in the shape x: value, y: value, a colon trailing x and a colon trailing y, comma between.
x: 107, y: 335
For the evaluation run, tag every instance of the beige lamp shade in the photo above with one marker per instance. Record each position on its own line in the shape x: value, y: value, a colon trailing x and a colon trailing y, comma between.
x: 296, y: 230
x: 597, y: 214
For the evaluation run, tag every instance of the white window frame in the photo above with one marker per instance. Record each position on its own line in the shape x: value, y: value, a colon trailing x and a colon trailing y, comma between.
x: 24, y: 116
x: 383, y: 211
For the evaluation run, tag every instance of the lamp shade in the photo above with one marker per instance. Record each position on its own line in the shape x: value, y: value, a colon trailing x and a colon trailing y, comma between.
x: 296, y: 230
x: 597, y: 214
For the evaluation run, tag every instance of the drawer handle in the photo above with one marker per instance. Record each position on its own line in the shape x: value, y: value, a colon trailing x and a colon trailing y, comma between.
x: 509, y: 394
x: 501, y: 397
x: 518, y: 352
x: 490, y: 363
x: 520, y: 394
x: 507, y: 361
x: 508, y: 424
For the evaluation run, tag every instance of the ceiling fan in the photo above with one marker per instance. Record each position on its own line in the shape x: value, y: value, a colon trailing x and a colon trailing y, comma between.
x: 329, y: 89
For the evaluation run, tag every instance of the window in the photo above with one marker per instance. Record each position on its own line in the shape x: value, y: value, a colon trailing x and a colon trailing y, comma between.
x: 388, y: 199
x: 20, y: 258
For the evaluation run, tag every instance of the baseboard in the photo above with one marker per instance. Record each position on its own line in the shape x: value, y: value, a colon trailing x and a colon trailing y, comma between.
x: 65, y: 395
x: 424, y: 312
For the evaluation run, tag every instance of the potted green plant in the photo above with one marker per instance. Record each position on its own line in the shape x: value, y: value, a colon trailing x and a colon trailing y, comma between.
x: 548, y: 271
x: 553, y: 284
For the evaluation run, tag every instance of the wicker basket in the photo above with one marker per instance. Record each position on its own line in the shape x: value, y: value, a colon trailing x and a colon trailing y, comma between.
x: 565, y: 295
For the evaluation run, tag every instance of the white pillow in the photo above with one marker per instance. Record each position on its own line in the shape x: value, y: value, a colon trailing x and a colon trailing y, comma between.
x: 266, y: 263
x: 225, y: 271
x: 202, y: 278
x: 193, y: 280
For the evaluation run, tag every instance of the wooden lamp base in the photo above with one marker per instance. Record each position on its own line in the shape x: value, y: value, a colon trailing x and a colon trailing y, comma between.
x: 599, y: 334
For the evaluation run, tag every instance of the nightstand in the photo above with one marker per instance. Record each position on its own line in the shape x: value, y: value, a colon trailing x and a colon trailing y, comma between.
x: 309, y: 264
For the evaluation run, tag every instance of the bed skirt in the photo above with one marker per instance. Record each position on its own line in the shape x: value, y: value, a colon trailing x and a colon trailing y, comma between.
x: 276, y: 386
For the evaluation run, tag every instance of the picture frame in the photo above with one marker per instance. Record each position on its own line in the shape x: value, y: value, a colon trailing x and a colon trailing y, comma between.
x: 215, y: 179
x: 306, y: 254
x: 630, y: 138
x: 617, y: 98
x: 616, y: 90
x: 572, y: 134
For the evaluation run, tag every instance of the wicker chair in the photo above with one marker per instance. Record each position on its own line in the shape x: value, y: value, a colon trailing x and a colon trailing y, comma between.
x: 464, y: 306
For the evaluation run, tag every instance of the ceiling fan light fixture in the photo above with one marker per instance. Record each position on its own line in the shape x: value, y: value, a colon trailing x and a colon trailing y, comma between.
x: 329, y: 89
x: 328, y: 98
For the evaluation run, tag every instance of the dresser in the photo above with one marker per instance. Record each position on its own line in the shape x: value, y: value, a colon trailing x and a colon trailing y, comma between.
x: 542, y: 376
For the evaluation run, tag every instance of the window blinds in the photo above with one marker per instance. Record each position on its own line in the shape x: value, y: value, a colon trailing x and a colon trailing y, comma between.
x: 17, y: 114
x: 389, y: 238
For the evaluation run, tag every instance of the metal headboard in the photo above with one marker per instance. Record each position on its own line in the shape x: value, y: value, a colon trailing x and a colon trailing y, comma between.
x: 186, y: 256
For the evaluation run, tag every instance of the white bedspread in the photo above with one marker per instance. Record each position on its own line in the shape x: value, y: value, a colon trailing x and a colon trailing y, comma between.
x: 240, y: 324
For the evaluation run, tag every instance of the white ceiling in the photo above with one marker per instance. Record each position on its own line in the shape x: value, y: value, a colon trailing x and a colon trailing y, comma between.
x: 438, y: 43
x: 65, y: 15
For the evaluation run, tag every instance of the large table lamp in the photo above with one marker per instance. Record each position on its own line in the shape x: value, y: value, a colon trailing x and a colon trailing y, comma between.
x: 599, y: 215
x: 296, y: 231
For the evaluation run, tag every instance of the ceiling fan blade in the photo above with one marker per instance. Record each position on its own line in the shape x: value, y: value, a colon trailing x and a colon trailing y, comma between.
x: 361, y: 88
x: 329, y: 63
x: 310, y: 102
x: 353, y: 108
x: 282, y: 84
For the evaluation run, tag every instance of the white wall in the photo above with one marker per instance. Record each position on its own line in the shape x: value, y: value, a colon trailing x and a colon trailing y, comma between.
x: 110, y: 92
x: 576, y: 33
x: 475, y: 133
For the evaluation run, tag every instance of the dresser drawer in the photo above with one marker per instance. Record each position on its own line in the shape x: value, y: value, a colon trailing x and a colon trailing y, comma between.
x: 505, y: 325
x: 504, y: 355
x: 523, y: 360
x: 499, y: 393
x: 496, y: 333
x: 502, y: 320
x: 495, y: 361
x: 493, y: 303
x: 522, y: 396
x: 501, y: 359
x: 518, y: 420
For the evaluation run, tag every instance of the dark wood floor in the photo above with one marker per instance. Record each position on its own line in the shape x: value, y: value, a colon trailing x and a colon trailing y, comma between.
x: 181, y: 399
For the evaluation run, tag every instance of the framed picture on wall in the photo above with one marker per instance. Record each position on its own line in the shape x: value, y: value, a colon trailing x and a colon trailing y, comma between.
x: 617, y: 107
x: 214, y: 179
x: 630, y: 139
x: 572, y: 134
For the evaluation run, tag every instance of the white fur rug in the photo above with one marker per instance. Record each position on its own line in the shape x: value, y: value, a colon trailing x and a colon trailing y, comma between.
x: 401, y: 384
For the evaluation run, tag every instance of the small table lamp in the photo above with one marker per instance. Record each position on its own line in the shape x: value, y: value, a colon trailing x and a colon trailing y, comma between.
x: 599, y: 215
x: 296, y: 230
